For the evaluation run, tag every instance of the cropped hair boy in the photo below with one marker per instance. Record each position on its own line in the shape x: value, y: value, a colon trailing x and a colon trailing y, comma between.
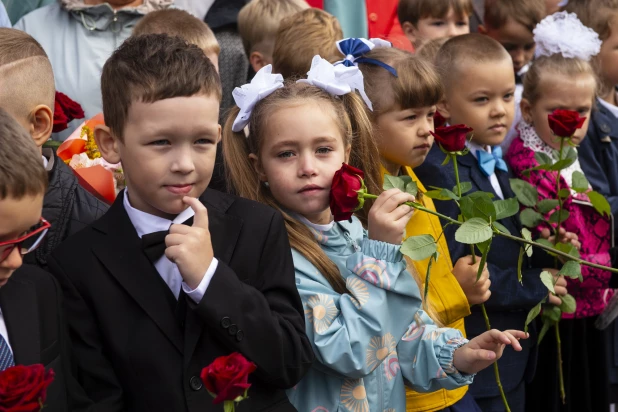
x: 27, y: 92
x: 258, y: 22
x: 193, y: 274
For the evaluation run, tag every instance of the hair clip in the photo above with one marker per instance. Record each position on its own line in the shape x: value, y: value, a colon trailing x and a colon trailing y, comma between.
x: 354, y: 50
x: 247, y: 96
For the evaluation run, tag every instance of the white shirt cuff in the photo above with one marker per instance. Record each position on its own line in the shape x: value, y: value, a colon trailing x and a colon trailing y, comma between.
x: 198, y: 293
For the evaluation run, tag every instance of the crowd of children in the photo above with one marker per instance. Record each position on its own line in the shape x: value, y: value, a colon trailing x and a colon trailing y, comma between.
x: 128, y: 301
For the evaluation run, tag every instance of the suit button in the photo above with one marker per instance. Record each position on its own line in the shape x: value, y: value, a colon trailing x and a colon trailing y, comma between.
x: 240, y: 335
x: 233, y: 329
x: 225, y: 322
x: 605, y: 128
x: 195, y: 383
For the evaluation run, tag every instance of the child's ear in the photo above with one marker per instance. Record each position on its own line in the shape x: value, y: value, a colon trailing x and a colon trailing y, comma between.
x: 255, y: 162
x: 482, y: 29
x: 41, y: 124
x: 443, y: 108
x: 526, y: 110
x: 107, y: 143
x: 410, y: 31
x: 258, y: 60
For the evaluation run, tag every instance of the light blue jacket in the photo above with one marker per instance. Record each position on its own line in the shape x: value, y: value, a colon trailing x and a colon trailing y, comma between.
x: 369, y: 340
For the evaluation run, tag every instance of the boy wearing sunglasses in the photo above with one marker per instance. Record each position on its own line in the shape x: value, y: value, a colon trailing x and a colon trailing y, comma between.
x: 32, y: 329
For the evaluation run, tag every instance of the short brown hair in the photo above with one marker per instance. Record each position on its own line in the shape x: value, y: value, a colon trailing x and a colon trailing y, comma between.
x: 414, y: 10
x: 176, y: 22
x: 416, y: 85
x: 599, y: 15
x: 259, y: 20
x: 472, y: 47
x: 429, y: 49
x: 26, y: 75
x: 150, y: 68
x: 528, y: 13
x: 302, y: 36
x: 21, y: 168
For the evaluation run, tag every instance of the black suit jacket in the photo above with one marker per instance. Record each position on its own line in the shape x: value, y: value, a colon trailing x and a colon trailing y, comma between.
x: 31, y: 304
x: 132, y: 354
x: 510, y: 301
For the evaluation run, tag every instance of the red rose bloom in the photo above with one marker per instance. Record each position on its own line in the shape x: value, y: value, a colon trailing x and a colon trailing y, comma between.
x: 438, y: 120
x: 344, y: 199
x: 226, y: 378
x: 24, y: 388
x: 452, y: 138
x: 564, y: 122
x: 61, y: 121
x: 65, y: 111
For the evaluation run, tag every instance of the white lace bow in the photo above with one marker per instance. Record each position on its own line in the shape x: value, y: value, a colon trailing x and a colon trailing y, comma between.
x: 563, y: 33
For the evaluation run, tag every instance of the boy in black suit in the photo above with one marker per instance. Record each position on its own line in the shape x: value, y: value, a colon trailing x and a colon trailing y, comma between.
x: 150, y: 300
x: 32, y: 328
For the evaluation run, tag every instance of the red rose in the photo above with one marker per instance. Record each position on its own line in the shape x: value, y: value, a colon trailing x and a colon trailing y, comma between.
x: 226, y: 378
x: 452, y: 138
x: 65, y: 111
x: 24, y: 388
x: 344, y: 198
x: 438, y: 120
x: 564, y: 122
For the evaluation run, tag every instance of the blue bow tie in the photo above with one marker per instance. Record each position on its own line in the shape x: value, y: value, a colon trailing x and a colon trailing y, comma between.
x: 488, y: 162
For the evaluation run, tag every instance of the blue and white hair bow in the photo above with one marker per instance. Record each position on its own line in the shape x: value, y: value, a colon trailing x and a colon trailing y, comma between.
x: 354, y: 50
x: 247, y: 96
x: 336, y: 79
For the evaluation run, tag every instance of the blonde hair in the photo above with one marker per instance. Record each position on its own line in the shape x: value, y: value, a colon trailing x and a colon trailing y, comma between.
x: 553, y: 65
x: 302, y: 36
x: 599, y: 15
x: 356, y: 130
x: 528, y: 13
x: 413, y: 10
x: 258, y: 22
x: 429, y: 49
x: 176, y: 22
x: 26, y: 75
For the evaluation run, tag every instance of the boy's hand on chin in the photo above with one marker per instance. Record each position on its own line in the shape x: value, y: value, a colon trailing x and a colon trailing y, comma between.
x: 190, y: 247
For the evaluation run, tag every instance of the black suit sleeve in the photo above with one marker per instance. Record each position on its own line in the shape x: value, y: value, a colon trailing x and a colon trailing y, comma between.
x: 268, y: 311
x: 94, y: 371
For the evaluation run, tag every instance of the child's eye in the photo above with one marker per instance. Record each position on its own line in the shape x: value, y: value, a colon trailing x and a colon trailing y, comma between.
x: 411, y: 117
x: 509, y: 96
x: 431, y: 115
x: 462, y: 23
x: 285, y: 155
x: 437, y: 23
x: 203, y: 141
x: 481, y: 99
x: 529, y: 46
x: 583, y: 110
x: 161, y: 142
x: 324, y: 150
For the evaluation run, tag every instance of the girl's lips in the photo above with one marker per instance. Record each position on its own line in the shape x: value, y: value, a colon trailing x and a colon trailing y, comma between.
x: 423, y: 147
x: 179, y: 189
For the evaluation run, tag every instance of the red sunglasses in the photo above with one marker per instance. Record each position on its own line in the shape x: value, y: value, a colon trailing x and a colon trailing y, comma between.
x: 26, y: 243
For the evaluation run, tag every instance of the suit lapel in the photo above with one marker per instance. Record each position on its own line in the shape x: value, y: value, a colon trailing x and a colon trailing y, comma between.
x: 224, y: 232
x: 478, y: 178
x: 128, y: 264
x: 19, y: 305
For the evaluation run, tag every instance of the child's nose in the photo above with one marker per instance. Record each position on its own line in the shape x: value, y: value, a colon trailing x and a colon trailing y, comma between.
x: 306, y: 166
x: 13, y: 261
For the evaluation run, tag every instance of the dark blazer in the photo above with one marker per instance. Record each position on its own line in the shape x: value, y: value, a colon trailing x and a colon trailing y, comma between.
x: 510, y: 302
x: 31, y: 304
x: 133, y: 353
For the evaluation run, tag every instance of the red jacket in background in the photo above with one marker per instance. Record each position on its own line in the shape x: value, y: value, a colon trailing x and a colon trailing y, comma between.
x: 316, y: 3
x: 383, y: 23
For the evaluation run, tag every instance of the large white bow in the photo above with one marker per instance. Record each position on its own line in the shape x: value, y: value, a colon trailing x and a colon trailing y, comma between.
x: 247, y: 96
x: 336, y: 80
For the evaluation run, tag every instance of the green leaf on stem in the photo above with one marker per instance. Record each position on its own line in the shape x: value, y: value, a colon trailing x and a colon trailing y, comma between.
x: 483, y: 246
x: 506, y: 208
x: 433, y: 258
x: 483, y: 260
x: 441, y: 194
x: 559, y: 215
x: 465, y: 187
x: 580, y: 183
x: 520, y: 262
x: 571, y: 269
x: 466, y: 206
x: 567, y: 248
x: 552, y: 312
x: 600, y: 203
x: 483, y: 207
x: 568, y: 304
x: 394, y: 182
x: 534, y: 312
x: 501, y: 228
x: 412, y: 187
x: 525, y: 192
x: 547, y: 323
x: 540, y: 167
x: 548, y: 280
x: 530, y: 218
x: 547, y: 205
x: 564, y: 193
x: 567, y: 160
x: 473, y: 231
x: 419, y: 247
x: 528, y: 236
x: 447, y: 159
x: 543, y: 159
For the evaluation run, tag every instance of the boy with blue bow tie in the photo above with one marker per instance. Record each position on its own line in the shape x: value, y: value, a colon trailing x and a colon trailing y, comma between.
x: 165, y: 283
x: 477, y: 73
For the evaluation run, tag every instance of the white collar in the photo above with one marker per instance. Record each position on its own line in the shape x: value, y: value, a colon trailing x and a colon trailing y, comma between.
x: 320, y: 228
x: 45, y: 162
x: 145, y: 223
x: 475, y: 147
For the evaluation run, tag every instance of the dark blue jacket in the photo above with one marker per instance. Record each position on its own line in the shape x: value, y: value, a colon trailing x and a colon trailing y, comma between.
x: 510, y: 302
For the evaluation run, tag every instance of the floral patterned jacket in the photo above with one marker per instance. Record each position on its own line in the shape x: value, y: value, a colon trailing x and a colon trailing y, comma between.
x: 593, y: 230
x: 368, y: 340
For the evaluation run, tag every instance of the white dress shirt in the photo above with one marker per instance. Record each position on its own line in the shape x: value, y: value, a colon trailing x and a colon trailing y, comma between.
x: 3, y: 331
x: 144, y: 224
x: 493, y: 179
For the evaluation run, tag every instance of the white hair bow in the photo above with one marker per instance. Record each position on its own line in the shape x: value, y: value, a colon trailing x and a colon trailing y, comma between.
x: 563, y: 33
x: 247, y: 96
x: 336, y: 80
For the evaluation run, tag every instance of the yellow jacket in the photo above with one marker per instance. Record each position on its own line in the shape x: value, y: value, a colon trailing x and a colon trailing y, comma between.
x: 445, y: 296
